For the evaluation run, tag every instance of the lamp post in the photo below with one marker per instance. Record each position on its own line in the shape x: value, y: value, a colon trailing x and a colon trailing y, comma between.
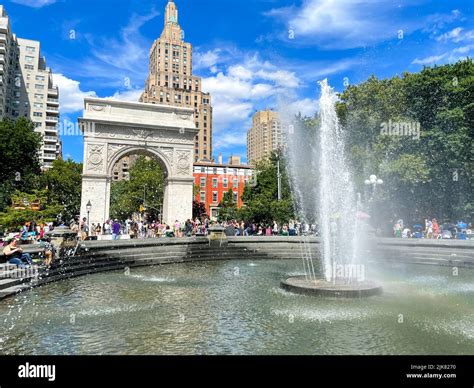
x: 374, y: 182
x: 279, y: 178
x: 88, y: 208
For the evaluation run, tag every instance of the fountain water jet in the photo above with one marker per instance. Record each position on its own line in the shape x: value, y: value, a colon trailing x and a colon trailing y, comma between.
x: 342, y: 269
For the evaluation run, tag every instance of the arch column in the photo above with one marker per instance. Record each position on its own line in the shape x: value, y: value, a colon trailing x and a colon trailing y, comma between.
x: 96, y: 189
x: 176, y: 203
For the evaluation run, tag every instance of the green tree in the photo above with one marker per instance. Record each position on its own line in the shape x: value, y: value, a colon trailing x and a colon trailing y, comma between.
x: 19, y: 147
x: 145, y: 187
x: 228, y: 207
x: 427, y: 177
x: 13, y: 219
x: 261, y: 200
x: 63, y: 184
x: 199, y: 209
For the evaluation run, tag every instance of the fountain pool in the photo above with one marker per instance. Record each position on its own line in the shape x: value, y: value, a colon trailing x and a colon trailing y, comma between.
x: 236, y: 307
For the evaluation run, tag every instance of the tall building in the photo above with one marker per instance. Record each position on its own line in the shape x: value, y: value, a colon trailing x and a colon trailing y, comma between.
x: 121, y: 169
x: 27, y: 90
x: 171, y: 81
x: 39, y: 99
x: 264, y: 137
x: 9, y: 66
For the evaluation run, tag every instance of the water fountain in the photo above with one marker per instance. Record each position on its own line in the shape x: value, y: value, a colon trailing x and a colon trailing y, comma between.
x: 342, y: 268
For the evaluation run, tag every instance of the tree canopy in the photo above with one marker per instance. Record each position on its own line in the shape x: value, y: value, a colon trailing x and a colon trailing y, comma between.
x: 429, y: 176
x: 19, y: 147
x: 144, y: 187
x: 261, y: 200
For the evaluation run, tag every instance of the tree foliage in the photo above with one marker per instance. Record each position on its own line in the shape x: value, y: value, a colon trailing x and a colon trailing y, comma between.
x: 261, y: 200
x: 427, y: 177
x: 228, y: 207
x: 145, y: 187
x: 19, y: 147
x: 63, y: 184
x: 13, y: 219
x: 199, y: 209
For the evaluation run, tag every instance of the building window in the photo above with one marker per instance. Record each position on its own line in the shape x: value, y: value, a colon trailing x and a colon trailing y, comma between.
x: 203, y: 182
x: 30, y: 49
x: 214, y: 183
x: 38, y: 114
x: 235, y: 183
x: 29, y: 59
x: 214, y: 197
x: 202, y: 196
x: 225, y: 183
x: 29, y: 67
x: 236, y: 196
x: 39, y: 87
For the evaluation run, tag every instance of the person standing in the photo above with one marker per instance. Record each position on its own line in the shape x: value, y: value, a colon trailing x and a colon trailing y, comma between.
x: 84, y: 229
x: 435, y: 228
x: 115, y: 230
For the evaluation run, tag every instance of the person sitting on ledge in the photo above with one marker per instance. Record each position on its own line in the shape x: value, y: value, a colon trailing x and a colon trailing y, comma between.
x: 169, y: 232
x: 15, y: 254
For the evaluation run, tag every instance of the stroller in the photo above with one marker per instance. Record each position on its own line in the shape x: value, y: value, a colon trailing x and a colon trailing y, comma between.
x: 417, y: 231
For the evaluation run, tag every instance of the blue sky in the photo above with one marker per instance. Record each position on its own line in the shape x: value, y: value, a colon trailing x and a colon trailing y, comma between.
x: 251, y: 54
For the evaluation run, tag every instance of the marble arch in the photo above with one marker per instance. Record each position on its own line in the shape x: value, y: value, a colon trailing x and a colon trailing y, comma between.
x: 113, y: 129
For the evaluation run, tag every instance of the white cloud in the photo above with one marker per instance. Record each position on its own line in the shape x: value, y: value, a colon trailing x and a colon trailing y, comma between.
x: 114, y: 62
x: 456, y: 35
x: 71, y: 97
x: 34, y: 3
x: 307, y: 107
x: 454, y: 55
x: 343, y: 23
x: 132, y: 95
x: 280, y: 77
x: 130, y: 51
x: 428, y: 60
x: 464, y: 49
x: 230, y: 140
x: 205, y: 60
x: 239, y: 71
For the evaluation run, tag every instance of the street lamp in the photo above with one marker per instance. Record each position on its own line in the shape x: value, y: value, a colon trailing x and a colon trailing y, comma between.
x: 88, y: 208
x: 374, y: 182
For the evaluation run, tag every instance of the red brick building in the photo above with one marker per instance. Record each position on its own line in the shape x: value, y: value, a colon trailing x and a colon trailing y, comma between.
x: 215, y: 179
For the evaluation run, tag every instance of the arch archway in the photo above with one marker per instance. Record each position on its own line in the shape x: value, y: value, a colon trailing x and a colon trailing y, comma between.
x: 114, y: 129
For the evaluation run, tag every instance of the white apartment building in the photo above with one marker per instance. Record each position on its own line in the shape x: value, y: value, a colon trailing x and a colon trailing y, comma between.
x: 28, y: 90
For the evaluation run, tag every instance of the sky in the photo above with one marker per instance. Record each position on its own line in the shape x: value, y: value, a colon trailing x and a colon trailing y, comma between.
x: 251, y: 54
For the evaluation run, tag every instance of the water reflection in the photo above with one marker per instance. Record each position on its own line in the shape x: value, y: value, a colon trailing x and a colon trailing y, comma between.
x: 237, y: 308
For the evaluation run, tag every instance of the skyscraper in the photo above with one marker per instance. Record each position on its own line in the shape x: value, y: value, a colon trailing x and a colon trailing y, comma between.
x: 171, y: 81
x: 27, y: 90
x: 264, y: 137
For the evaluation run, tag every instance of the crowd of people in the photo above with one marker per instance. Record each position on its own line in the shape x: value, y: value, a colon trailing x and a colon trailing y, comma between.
x: 29, y: 233
x: 137, y: 229
x: 432, y: 229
